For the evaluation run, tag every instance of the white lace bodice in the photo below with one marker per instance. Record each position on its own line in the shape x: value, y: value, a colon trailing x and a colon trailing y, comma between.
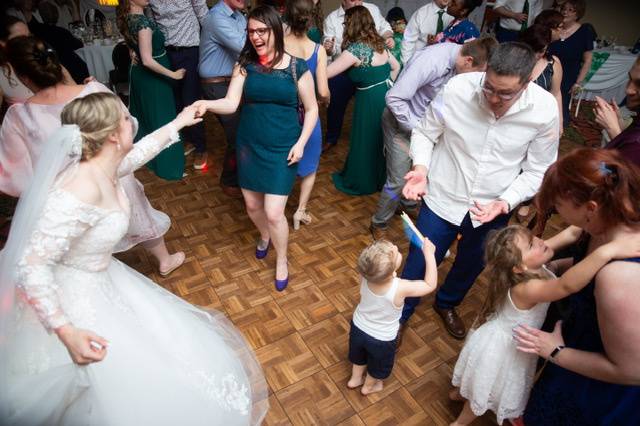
x: 75, y: 234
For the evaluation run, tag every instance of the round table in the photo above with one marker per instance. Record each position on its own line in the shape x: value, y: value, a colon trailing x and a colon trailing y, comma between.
x: 98, y: 58
x: 610, y: 80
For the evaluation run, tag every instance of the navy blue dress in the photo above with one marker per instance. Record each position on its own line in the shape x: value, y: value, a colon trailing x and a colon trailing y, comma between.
x: 561, y: 397
x: 570, y: 52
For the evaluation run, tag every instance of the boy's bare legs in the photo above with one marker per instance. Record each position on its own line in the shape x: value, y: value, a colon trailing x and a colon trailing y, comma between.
x: 371, y: 385
x: 465, y: 417
x: 357, y: 376
x: 454, y: 395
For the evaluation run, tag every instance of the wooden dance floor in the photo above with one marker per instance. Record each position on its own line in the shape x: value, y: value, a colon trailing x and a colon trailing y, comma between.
x: 301, y: 335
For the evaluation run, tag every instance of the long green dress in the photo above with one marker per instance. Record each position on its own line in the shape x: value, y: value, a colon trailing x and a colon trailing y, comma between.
x: 364, y: 170
x: 151, y: 99
x: 315, y: 35
x: 268, y: 129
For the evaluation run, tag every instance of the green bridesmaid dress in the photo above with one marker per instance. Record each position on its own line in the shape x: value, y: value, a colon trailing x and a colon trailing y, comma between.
x: 315, y: 35
x: 364, y: 169
x: 268, y: 129
x: 151, y: 99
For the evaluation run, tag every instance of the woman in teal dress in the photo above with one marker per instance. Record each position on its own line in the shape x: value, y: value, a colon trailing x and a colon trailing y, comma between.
x: 270, y: 139
x: 150, y: 83
x: 371, y: 68
x: 315, y: 32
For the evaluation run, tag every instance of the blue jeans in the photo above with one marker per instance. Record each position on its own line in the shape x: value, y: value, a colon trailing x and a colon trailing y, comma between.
x: 467, y: 266
x: 342, y: 90
x: 188, y: 90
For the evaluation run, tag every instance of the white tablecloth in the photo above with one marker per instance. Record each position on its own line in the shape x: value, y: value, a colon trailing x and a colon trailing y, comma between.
x: 610, y: 81
x: 98, y: 59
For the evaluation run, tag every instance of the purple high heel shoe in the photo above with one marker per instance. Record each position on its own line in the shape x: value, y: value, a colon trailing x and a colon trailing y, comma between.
x: 260, y: 253
x: 282, y: 284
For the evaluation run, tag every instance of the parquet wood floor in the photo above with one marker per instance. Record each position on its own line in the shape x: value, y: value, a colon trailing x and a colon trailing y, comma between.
x: 301, y: 335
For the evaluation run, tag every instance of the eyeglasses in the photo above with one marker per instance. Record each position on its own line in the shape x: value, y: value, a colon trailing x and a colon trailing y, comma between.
x: 261, y: 32
x: 505, y: 96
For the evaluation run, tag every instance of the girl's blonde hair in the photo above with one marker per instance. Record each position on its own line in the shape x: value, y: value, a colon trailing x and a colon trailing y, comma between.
x: 502, y: 259
x: 377, y: 262
x: 97, y: 115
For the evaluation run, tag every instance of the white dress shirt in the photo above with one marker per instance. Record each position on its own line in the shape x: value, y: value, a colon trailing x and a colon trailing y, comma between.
x: 333, y: 25
x: 472, y: 156
x: 535, y: 7
x: 421, y: 24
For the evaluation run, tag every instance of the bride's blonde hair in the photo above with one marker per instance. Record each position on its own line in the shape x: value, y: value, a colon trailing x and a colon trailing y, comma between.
x: 97, y: 115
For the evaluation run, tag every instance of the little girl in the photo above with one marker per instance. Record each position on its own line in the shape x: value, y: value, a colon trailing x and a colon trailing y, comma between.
x: 491, y: 374
x: 375, y: 324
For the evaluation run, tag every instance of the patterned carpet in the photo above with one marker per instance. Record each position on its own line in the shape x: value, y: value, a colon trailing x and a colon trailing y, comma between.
x: 300, y: 335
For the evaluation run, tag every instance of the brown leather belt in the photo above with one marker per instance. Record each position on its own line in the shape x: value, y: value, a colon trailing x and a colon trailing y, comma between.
x: 215, y: 80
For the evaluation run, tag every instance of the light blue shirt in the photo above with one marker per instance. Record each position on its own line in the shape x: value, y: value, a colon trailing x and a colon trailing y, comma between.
x: 420, y: 81
x: 221, y: 39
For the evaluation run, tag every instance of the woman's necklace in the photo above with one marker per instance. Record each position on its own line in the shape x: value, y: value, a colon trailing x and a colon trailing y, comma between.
x: 568, y: 32
x: 113, y: 180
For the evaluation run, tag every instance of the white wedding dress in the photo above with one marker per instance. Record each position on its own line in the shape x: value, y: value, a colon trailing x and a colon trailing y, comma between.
x: 167, y: 363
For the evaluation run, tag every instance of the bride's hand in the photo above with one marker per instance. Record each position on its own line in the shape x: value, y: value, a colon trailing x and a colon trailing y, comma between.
x: 84, y: 346
x: 187, y: 117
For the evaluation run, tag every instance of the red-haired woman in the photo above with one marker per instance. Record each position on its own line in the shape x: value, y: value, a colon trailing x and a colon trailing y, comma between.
x: 594, y: 374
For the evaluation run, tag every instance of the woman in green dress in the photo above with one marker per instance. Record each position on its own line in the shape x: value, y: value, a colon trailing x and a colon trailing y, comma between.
x: 315, y: 32
x: 372, y: 69
x: 270, y: 139
x: 150, y: 83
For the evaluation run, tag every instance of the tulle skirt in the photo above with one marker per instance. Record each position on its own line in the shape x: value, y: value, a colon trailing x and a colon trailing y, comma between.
x: 167, y: 363
x: 146, y: 223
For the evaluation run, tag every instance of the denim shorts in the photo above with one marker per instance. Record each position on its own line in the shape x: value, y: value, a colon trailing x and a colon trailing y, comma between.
x: 377, y: 355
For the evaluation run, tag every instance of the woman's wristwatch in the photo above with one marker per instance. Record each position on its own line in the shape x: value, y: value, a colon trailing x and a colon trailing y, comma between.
x: 555, y: 352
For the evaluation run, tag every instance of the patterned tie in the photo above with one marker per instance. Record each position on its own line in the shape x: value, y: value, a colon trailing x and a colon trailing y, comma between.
x: 440, y: 25
x: 525, y: 9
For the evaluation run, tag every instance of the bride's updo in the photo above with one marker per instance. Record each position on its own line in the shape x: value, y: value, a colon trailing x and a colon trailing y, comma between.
x: 97, y: 115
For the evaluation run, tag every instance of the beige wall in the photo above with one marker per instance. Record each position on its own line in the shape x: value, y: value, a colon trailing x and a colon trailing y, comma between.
x: 617, y: 18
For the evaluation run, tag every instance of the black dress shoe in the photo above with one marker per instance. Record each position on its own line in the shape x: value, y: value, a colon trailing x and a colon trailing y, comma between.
x: 452, y: 322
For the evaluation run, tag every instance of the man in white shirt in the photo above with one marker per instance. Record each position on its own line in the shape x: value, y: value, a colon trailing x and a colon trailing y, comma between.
x: 515, y: 17
x: 426, y: 22
x: 341, y: 88
x: 481, y: 149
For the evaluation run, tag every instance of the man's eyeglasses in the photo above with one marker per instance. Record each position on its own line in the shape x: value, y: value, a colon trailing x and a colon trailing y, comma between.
x: 505, y: 96
x: 261, y: 32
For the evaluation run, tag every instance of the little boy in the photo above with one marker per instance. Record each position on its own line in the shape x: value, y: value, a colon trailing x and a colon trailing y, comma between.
x: 375, y: 324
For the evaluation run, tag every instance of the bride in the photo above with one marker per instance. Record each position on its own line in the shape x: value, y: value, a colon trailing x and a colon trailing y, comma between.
x: 86, y: 340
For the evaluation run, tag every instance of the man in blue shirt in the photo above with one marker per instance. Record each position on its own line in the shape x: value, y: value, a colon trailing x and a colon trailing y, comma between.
x: 222, y: 38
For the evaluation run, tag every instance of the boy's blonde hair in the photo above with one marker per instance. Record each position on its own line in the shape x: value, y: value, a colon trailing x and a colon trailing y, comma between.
x: 97, y: 115
x: 377, y: 262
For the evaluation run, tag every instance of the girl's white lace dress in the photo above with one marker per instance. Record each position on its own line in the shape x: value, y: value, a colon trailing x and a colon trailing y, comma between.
x: 168, y: 362
x: 490, y: 372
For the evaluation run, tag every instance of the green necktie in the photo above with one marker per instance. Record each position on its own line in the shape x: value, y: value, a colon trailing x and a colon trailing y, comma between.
x: 440, y: 25
x: 525, y: 9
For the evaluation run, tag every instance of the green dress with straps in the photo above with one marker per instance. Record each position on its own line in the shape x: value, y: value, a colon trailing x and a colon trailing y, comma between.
x: 364, y: 169
x: 151, y: 99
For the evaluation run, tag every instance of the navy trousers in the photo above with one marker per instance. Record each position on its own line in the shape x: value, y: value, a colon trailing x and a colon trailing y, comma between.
x: 188, y: 90
x: 503, y: 35
x: 342, y: 90
x: 469, y: 260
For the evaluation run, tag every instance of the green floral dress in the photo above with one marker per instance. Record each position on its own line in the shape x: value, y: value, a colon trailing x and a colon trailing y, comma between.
x: 364, y: 169
x: 151, y: 99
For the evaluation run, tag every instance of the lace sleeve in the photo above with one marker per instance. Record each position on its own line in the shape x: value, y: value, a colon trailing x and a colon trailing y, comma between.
x: 147, y: 148
x: 136, y: 23
x: 363, y: 52
x: 61, y: 223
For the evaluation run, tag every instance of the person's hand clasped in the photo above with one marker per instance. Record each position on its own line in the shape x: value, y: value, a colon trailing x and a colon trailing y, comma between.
x: 534, y: 341
x: 188, y: 117
x: 484, y: 213
x: 179, y: 74
x: 295, y: 154
x: 390, y: 42
x: 201, y: 107
x: 607, y: 115
x: 83, y: 346
x: 428, y: 248
x: 415, y: 186
x: 328, y: 45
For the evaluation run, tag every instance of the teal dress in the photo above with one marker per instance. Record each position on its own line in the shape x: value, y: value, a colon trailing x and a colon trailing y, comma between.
x: 364, y: 170
x: 268, y: 129
x: 315, y: 35
x: 151, y: 99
